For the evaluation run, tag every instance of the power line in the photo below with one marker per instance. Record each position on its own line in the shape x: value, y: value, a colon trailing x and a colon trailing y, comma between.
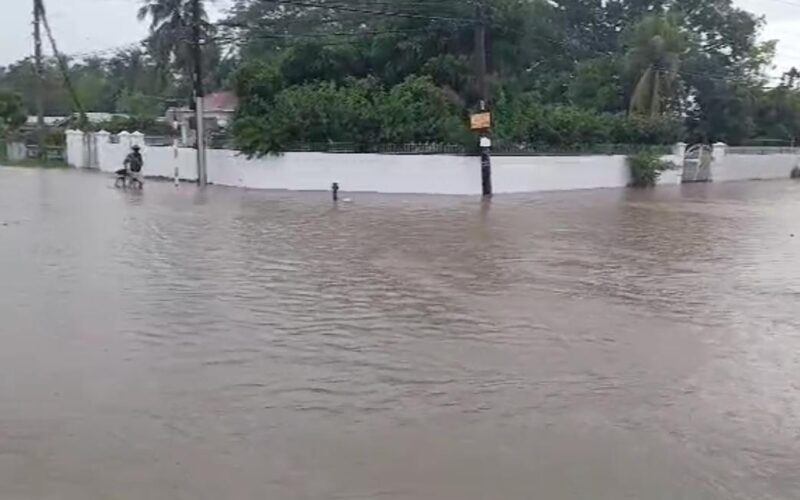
x: 347, y: 8
x: 99, y: 52
x: 786, y: 2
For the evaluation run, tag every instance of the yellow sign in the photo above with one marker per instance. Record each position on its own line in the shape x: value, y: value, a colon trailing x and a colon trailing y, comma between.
x: 480, y: 121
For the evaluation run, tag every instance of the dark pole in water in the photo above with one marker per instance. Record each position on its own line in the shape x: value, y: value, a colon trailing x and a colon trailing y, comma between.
x: 335, y: 190
x: 480, y: 55
x: 486, y: 166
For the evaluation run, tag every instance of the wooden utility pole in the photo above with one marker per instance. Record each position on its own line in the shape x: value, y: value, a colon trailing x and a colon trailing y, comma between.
x: 199, y: 93
x: 39, y: 70
x: 483, y: 91
x: 480, y: 53
x: 63, y: 66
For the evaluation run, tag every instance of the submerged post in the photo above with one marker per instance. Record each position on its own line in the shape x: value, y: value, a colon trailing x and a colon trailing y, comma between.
x: 175, y: 153
x: 486, y: 165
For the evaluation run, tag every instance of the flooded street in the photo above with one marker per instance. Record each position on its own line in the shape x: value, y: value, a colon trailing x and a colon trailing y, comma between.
x: 232, y: 344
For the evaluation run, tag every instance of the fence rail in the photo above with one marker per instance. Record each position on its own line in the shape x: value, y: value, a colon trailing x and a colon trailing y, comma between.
x: 762, y: 150
x: 159, y: 140
x: 499, y: 149
x: 50, y: 152
x: 505, y: 149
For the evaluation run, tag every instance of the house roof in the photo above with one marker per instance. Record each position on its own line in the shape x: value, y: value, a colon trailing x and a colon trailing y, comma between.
x: 48, y: 120
x: 221, y: 101
x: 92, y: 117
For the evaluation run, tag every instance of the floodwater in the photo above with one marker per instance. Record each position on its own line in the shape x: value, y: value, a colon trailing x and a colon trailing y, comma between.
x: 231, y: 344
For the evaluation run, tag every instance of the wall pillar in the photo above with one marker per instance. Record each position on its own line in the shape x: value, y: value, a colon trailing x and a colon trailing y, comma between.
x: 718, y: 151
x: 75, y: 151
x: 679, y: 152
x: 125, y: 139
x: 137, y: 139
x: 102, y: 144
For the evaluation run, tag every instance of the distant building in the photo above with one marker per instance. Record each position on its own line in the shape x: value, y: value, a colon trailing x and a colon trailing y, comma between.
x: 60, y: 121
x: 50, y: 121
x: 220, y: 108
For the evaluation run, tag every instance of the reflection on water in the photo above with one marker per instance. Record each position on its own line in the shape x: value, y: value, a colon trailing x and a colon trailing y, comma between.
x: 231, y: 344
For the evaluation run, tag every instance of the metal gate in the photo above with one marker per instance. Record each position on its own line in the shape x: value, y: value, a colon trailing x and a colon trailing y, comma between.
x: 697, y: 164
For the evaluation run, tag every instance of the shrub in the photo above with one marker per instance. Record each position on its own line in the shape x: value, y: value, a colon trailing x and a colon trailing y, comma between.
x: 358, y: 111
x: 645, y: 168
x: 525, y: 119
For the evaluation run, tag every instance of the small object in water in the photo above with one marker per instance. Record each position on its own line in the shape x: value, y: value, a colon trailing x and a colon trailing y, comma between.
x: 348, y: 200
x: 796, y: 173
x: 335, y: 190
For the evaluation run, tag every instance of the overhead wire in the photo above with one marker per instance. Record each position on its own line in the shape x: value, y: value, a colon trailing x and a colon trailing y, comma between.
x: 62, y: 62
x: 384, y: 13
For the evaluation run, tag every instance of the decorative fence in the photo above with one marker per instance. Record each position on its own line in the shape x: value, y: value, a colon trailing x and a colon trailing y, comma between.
x: 762, y: 150
x: 220, y: 141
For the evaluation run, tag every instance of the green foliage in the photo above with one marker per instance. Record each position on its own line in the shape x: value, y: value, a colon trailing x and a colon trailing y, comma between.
x: 598, y: 85
x: 563, y: 73
x: 525, y: 120
x: 418, y: 111
x: 656, y: 46
x: 645, y: 168
x: 360, y: 112
x: 12, y: 114
x: 169, y: 42
x: 129, y: 82
x: 135, y: 103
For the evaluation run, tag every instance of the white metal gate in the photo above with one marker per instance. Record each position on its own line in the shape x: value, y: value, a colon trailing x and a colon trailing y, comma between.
x: 697, y: 163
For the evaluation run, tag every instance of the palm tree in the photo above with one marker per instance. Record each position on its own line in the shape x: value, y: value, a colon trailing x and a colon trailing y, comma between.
x: 170, y: 40
x: 654, y: 58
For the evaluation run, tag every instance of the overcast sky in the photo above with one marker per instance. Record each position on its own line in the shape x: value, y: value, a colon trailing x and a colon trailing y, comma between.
x: 90, y: 25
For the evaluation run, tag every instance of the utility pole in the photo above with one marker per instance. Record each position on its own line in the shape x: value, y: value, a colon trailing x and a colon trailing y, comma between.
x: 199, y: 94
x: 480, y: 57
x: 39, y: 70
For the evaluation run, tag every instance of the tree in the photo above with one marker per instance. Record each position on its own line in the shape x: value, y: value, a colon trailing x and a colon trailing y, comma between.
x: 598, y: 85
x: 419, y: 111
x: 170, y: 39
x: 654, y: 57
x: 12, y: 113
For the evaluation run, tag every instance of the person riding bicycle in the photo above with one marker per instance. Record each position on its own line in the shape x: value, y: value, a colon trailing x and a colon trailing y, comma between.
x: 133, y: 165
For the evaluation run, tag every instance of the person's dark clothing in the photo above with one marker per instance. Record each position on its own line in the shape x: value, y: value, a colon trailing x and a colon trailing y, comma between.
x: 134, y: 162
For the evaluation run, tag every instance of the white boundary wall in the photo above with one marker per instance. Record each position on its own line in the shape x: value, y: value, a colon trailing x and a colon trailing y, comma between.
x: 424, y: 174
x: 729, y: 166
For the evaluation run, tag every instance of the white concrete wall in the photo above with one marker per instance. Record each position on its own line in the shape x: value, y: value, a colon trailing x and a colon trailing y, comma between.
x: 76, y: 149
x: 737, y: 167
x: 16, y: 151
x: 522, y: 174
x: 425, y: 174
x: 162, y: 161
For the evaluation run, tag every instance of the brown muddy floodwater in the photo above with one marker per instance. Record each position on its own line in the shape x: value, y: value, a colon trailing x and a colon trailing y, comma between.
x: 231, y: 344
